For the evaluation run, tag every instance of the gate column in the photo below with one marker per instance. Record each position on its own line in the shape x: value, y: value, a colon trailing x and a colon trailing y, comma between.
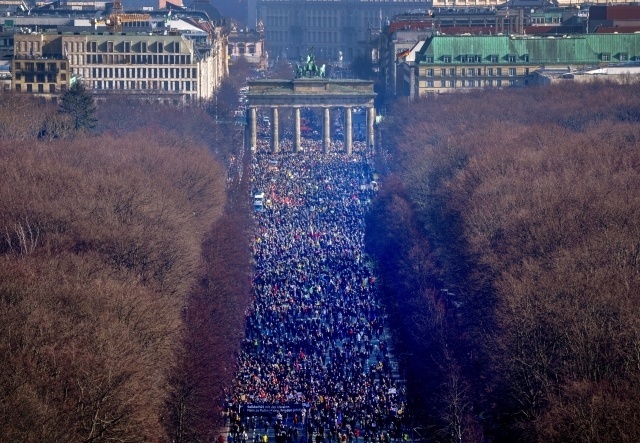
x: 296, y: 130
x: 348, y: 130
x: 371, y: 116
x: 275, y: 142
x: 326, y: 131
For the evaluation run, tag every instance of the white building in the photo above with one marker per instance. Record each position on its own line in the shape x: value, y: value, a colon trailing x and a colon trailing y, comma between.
x: 169, y: 67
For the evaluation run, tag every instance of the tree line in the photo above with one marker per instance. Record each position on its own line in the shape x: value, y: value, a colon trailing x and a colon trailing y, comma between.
x: 506, y: 234
x: 124, y: 271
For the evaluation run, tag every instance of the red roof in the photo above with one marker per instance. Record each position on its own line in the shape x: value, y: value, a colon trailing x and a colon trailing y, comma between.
x: 412, y: 25
x: 617, y: 29
x: 476, y: 30
x: 490, y: 30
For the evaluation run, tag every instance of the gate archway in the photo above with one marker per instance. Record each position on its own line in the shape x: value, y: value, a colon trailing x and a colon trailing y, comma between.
x: 311, y: 92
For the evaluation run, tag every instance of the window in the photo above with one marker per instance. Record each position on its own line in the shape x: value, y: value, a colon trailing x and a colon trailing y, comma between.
x: 430, y: 84
x: 525, y: 58
x: 490, y: 71
x: 498, y: 72
x: 452, y: 84
x: 52, y: 88
x: 18, y: 87
x: 109, y: 46
x: 429, y: 72
x: 512, y: 82
x: 93, y: 46
x: 443, y: 73
x: 127, y: 46
x: 512, y: 72
x: 428, y: 59
x: 623, y: 57
x: 463, y: 72
x: 41, y: 88
x: 493, y: 58
x: 446, y: 59
x: 499, y: 83
x: 29, y: 88
x: 18, y: 66
x: 511, y: 58
x: 443, y: 83
x: 452, y: 72
x: 479, y: 72
x: 143, y: 47
x: 605, y: 57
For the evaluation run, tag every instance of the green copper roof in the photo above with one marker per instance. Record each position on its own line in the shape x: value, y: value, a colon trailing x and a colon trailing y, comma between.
x: 583, y: 49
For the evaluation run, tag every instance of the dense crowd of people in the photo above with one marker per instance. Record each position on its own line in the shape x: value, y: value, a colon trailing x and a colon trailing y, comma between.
x: 315, y: 331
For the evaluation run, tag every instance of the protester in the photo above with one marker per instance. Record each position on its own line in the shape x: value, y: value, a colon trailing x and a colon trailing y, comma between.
x: 315, y: 332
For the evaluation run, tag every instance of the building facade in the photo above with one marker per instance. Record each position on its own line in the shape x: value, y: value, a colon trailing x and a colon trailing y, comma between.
x: 445, y: 63
x: 39, y: 66
x: 248, y: 44
x: 167, y: 66
x: 404, y: 31
x: 332, y: 27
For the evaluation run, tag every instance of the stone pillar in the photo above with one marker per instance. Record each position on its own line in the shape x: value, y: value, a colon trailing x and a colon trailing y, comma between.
x: 326, y: 131
x: 297, y: 145
x: 253, y: 121
x: 275, y: 142
x: 371, y: 117
x: 348, y: 130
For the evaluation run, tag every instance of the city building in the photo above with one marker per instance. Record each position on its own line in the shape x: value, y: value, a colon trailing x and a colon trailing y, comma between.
x: 332, y: 27
x: 615, y: 18
x: 519, y: 3
x: 248, y: 43
x: 402, y: 33
x: 167, y: 67
x: 444, y: 63
x: 174, y: 55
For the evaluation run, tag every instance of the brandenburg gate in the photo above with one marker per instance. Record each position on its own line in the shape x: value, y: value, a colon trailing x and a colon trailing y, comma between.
x: 311, y: 90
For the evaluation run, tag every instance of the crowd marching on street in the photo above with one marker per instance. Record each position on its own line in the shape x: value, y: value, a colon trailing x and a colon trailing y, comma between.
x: 315, y: 331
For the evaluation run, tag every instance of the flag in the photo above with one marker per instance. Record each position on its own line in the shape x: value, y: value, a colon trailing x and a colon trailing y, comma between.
x: 403, y: 54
